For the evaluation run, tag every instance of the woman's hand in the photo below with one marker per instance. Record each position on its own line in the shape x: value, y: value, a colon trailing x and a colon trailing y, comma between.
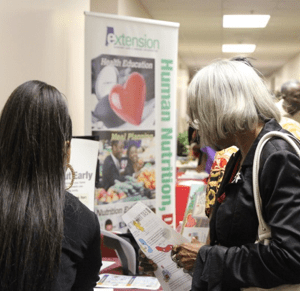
x: 185, y: 255
x: 146, y: 265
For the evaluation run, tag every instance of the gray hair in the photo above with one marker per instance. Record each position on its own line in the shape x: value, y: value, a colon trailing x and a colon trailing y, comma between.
x: 227, y: 97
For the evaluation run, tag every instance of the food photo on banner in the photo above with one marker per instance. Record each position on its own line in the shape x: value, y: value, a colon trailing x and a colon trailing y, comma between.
x: 125, y: 174
x: 123, y: 93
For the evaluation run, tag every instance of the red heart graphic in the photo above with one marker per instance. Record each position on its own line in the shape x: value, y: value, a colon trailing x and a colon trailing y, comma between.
x: 191, y: 222
x: 128, y: 101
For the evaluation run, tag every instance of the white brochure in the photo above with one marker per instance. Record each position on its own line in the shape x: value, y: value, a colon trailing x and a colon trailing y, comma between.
x: 156, y: 239
x: 128, y: 282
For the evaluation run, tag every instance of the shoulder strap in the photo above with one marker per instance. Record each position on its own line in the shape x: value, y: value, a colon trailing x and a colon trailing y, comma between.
x: 264, y: 231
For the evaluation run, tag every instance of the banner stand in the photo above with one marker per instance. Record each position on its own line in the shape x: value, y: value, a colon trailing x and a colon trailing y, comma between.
x: 130, y: 105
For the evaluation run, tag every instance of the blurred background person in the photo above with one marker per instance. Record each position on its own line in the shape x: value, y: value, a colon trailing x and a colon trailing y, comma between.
x: 204, y: 155
x: 289, y: 106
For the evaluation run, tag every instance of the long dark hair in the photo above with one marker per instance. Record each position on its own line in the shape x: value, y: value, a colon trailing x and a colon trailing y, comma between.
x: 35, y: 128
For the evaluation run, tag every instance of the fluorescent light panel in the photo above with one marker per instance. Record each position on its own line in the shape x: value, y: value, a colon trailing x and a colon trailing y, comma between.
x: 245, y: 21
x: 238, y: 48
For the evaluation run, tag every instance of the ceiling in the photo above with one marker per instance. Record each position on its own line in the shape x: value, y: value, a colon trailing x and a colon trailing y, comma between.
x: 201, y: 34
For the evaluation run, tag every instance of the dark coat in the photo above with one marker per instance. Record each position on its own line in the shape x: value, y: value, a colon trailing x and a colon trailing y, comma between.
x: 80, y: 256
x: 110, y: 173
x: 233, y: 260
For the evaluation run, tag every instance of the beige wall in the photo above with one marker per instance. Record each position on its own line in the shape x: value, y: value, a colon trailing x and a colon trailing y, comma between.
x: 291, y: 70
x: 104, y: 6
x: 120, y: 7
x: 44, y: 40
x: 133, y: 8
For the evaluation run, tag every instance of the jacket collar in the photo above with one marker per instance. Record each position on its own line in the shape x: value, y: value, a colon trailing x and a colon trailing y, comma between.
x: 270, y: 125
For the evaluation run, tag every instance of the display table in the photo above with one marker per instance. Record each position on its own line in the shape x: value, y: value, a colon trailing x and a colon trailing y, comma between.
x: 126, y: 289
x: 115, y: 268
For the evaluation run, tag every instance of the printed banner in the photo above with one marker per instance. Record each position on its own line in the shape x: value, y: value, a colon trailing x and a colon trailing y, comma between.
x: 130, y: 105
x: 83, y: 160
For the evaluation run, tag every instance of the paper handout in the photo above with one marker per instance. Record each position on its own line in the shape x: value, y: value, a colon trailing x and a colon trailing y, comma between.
x: 128, y: 282
x: 156, y: 240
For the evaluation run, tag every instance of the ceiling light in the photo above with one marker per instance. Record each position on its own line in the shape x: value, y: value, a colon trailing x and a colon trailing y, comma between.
x: 238, y: 48
x: 245, y: 21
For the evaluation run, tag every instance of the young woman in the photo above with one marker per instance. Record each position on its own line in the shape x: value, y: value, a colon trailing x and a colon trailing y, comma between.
x: 133, y: 166
x: 49, y: 240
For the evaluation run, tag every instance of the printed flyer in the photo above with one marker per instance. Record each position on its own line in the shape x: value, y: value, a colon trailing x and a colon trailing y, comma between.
x: 128, y: 282
x: 195, y: 222
x: 130, y: 104
x: 156, y: 239
x: 83, y: 160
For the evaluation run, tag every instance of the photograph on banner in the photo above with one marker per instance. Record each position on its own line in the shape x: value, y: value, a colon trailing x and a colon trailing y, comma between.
x: 195, y: 222
x: 126, y: 167
x: 123, y: 92
x: 110, y: 215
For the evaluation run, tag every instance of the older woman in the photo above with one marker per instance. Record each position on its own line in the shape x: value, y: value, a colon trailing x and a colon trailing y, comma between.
x: 49, y: 240
x: 230, y: 105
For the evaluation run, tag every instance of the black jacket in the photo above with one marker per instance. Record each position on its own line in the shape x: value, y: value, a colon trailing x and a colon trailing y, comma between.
x: 110, y: 173
x: 233, y: 260
x: 81, y: 256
